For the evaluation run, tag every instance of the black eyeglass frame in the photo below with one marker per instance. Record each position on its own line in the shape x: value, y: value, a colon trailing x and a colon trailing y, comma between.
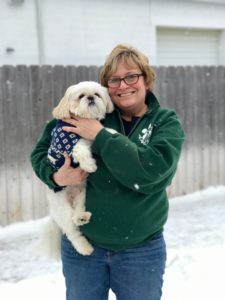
x: 120, y: 79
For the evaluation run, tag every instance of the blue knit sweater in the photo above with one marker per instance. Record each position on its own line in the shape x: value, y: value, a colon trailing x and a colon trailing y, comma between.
x: 62, y: 142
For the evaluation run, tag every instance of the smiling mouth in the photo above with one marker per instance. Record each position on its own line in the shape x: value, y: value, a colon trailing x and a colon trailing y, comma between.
x: 126, y: 94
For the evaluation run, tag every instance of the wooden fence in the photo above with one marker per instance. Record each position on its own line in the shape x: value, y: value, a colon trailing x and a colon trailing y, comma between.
x: 28, y: 94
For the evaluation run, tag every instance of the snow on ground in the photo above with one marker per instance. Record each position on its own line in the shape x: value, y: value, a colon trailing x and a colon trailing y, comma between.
x: 195, y: 235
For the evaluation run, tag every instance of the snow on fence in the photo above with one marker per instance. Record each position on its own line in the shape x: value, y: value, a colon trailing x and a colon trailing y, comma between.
x: 28, y: 94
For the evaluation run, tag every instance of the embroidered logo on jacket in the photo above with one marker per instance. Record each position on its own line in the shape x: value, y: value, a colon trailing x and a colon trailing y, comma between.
x: 145, y: 135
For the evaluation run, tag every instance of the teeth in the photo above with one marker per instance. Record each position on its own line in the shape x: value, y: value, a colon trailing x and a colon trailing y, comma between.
x: 125, y: 94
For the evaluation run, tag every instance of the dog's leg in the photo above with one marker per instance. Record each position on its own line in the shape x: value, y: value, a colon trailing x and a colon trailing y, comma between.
x: 82, y: 153
x: 62, y: 213
x: 79, y: 242
x: 80, y: 215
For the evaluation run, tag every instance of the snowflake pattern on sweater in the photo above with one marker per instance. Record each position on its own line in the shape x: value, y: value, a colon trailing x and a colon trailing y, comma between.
x: 62, y: 141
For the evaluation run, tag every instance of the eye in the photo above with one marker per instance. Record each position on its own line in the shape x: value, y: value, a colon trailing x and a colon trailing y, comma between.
x: 96, y: 94
x: 114, y: 80
x: 81, y: 96
x: 131, y: 76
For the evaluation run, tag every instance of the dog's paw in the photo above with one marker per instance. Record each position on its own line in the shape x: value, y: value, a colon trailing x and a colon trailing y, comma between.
x: 88, y: 166
x: 85, y: 249
x: 82, y: 219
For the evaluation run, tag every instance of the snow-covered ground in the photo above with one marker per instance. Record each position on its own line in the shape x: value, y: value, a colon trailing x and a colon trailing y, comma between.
x: 195, y: 235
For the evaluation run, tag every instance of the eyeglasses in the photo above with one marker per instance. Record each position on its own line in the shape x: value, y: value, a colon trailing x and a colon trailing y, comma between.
x: 115, y: 82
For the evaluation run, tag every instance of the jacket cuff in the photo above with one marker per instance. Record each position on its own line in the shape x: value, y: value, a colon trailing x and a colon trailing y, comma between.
x: 53, y: 185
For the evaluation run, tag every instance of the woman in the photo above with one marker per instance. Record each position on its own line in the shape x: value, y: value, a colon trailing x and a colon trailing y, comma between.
x: 127, y: 193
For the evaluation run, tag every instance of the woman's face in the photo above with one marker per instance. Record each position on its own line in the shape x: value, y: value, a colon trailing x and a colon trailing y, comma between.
x: 129, y: 98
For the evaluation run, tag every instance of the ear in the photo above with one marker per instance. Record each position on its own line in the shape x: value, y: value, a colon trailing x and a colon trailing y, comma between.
x: 62, y: 110
x: 109, y: 105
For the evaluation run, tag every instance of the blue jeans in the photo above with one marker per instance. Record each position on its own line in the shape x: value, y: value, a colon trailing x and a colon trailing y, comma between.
x: 134, y: 274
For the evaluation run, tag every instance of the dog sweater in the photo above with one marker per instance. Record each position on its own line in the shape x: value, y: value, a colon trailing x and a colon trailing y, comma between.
x: 62, y: 141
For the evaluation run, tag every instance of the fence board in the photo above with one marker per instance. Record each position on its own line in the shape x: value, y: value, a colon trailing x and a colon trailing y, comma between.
x: 221, y: 123
x: 10, y: 143
x: 41, y: 95
x: 28, y: 95
x: 3, y: 179
x: 214, y: 126
x: 23, y: 143
x: 179, y: 106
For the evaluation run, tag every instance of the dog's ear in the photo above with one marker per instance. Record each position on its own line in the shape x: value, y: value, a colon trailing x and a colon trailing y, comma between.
x: 62, y: 110
x: 109, y: 105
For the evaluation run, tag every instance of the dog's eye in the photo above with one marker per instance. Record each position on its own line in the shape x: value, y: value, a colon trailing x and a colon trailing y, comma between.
x: 81, y: 96
x: 96, y: 94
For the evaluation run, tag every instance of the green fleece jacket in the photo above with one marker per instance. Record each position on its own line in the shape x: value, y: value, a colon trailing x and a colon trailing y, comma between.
x: 127, y: 194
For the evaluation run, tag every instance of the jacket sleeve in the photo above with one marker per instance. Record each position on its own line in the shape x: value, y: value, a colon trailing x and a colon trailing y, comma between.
x: 146, y: 169
x: 38, y: 158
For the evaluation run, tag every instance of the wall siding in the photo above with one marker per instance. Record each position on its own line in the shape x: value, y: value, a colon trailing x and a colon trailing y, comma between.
x: 28, y: 94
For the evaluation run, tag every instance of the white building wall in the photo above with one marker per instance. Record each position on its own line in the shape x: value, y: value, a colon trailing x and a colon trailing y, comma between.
x: 84, y: 31
x: 191, y: 15
x: 18, y: 33
x: 71, y: 31
x: 188, y: 14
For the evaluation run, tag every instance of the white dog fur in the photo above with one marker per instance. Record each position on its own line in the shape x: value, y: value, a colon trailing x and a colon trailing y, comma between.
x: 67, y: 207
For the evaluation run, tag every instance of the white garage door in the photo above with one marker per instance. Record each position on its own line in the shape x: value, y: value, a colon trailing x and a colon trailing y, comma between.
x: 187, y: 46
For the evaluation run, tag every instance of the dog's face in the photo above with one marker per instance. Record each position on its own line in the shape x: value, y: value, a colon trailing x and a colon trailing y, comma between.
x: 87, y: 99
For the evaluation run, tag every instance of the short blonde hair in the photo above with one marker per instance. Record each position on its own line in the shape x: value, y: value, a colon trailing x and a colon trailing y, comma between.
x: 131, y: 56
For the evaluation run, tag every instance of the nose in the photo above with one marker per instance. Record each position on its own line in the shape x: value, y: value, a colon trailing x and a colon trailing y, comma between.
x: 123, y: 84
x: 91, y: 100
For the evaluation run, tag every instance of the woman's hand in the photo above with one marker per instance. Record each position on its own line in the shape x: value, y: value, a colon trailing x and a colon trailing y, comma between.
x: 86, y: 128
x: 68, y: 175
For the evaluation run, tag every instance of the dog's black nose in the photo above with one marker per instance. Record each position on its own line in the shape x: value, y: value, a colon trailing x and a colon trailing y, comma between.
x: 91, y: 100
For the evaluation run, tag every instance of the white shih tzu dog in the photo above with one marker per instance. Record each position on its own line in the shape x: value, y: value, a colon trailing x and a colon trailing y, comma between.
x: 86, y: 99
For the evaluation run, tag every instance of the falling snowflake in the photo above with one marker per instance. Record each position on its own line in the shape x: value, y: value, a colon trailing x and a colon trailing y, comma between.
x: 136, y: 186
